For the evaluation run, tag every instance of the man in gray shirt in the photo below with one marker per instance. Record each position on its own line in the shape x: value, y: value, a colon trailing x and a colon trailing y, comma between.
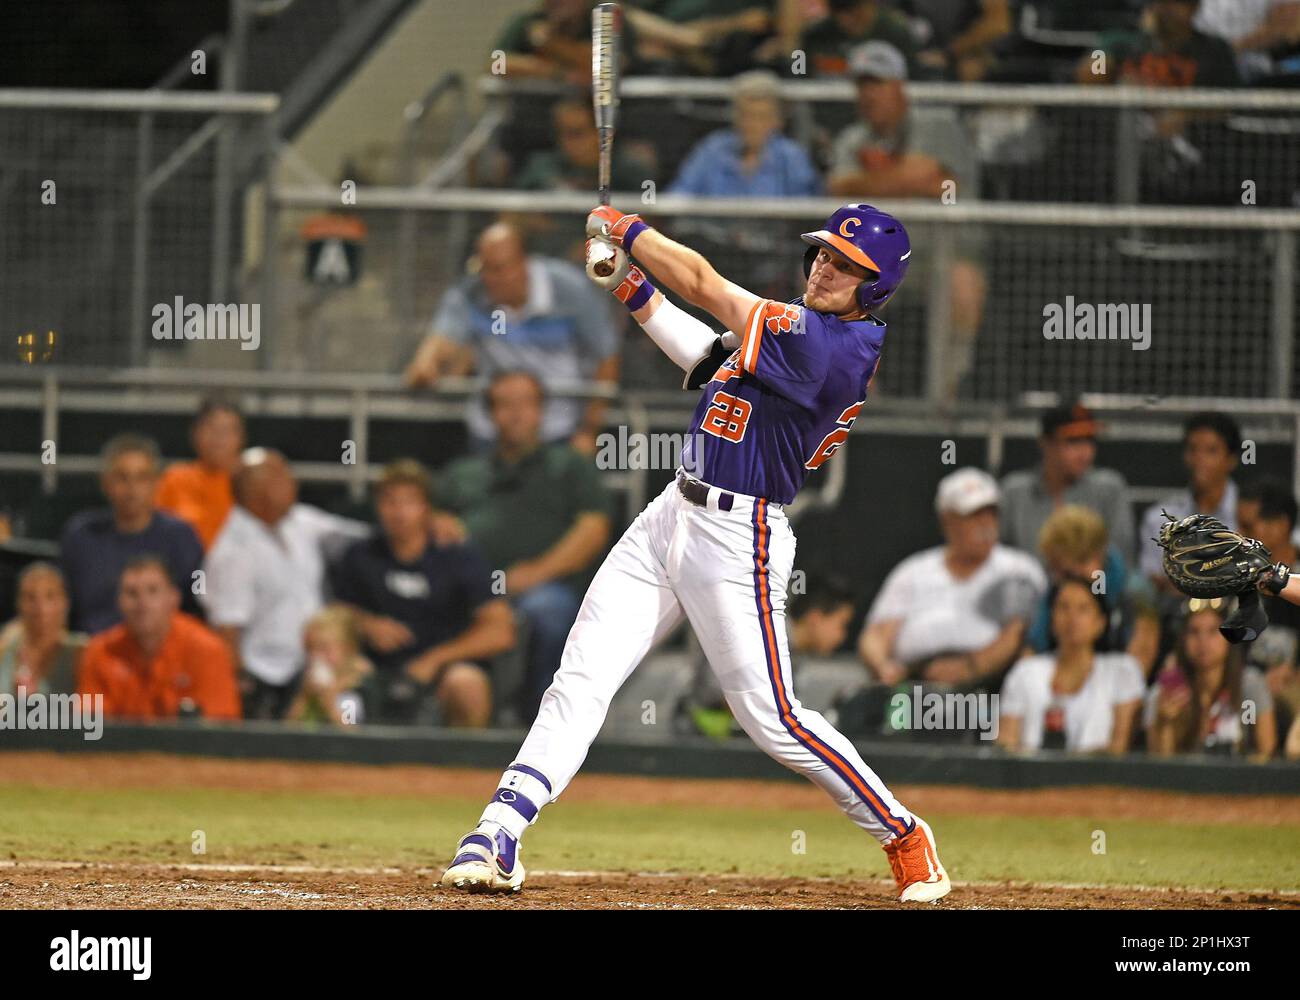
x: 1068, y: 443
x: 522, y: 312
x: 897, y: 151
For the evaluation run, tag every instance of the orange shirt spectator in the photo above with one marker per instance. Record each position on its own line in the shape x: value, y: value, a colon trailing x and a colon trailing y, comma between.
x: 199, y: 492
x: 159, y: 662
x: 198, y: 495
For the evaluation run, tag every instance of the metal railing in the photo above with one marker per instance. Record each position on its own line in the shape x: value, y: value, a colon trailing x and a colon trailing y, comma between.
x: 360, y: 400
x: 147, y: 217
x: 1043, y: 142
x: 1217, y: 284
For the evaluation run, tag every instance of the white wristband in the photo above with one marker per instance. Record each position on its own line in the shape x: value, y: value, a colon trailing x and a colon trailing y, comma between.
x: 680, y: 335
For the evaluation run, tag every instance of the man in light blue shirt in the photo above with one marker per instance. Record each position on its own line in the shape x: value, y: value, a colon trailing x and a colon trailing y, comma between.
x: 524, y: 312
x: 752, y: 159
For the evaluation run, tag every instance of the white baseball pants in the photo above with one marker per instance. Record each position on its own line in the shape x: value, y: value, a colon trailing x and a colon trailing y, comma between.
x: 726, y: 571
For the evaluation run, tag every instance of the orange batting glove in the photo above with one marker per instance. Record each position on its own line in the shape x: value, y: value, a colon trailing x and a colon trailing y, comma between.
x: 636, y: 290
x: 611, y: 224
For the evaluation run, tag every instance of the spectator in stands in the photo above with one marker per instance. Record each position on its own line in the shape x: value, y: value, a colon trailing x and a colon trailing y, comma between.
x: 530, y: 313
x: 572, y: 164
x: 552, y: 41
x: 1078, y: 697
x: 1258, y: 30
x: 1266, y: 509
x: 1168, y: 52
x: 336, y: 671
x: 827, y: 43
x: 1205, y: 699
x: 97, y: 544
x: 427, y: 613
x: 199, y: 492
x: 956, y: 613
x: 265, y: 578
x: 159, y: 663
x: 1176, y: 163
x: 1211, y: 444
x: 895, y: 151
x: 959, y: 37
x: 1067, y: 443
x: 1074, y: 545
x: 555, y: 492
x: 37, y: 652
x: 817, y: 624
x: 701, y: 37
x: 752, y: 159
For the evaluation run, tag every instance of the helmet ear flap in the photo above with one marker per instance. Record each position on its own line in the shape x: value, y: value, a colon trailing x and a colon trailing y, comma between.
x: 809, y: 256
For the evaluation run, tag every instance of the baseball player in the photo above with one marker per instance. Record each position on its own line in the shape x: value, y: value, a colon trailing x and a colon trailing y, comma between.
x: 781, y: 389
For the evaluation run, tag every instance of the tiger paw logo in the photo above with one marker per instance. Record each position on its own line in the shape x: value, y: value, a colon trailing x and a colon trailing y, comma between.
x: 783, y: 319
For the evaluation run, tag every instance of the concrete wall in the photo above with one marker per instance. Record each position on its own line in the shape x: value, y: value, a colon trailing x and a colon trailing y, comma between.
x: 364, y: 119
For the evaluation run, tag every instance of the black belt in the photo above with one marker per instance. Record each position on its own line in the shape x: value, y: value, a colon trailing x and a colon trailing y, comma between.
x: 697, y: 493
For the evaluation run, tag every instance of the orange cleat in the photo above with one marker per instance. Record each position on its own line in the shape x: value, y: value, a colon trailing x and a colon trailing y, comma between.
x: 914, y: 860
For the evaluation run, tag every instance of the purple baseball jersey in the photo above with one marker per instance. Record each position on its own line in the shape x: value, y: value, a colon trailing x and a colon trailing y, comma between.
x: 783, y: 402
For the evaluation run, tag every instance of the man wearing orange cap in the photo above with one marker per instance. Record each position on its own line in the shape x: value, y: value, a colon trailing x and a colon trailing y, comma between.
x: 1068, y: 444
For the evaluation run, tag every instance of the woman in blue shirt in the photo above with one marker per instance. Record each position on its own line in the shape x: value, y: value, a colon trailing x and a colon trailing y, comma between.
x: 752, y: 159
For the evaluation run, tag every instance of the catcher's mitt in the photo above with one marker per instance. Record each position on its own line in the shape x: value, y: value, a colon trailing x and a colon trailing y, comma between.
x: 1205, y: 558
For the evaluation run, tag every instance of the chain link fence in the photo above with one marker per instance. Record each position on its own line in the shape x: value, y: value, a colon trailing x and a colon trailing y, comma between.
x: 1054, y: 143
x: 113, y: 203
x: 1000, y: 299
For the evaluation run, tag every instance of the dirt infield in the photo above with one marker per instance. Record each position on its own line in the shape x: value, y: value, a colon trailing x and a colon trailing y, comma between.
x: 38, y: 886
x: 145, y: 883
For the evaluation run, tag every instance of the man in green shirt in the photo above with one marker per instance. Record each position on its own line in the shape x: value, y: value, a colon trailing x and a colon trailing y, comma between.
x: 539, y: 514
x: 850, y: 23
x: 572, y: 163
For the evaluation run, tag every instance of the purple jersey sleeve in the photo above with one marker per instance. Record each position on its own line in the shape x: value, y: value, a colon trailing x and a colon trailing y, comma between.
x: 782, y: 348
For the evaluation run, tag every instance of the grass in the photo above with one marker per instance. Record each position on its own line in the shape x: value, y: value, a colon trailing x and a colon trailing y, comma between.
x: 323, y: 828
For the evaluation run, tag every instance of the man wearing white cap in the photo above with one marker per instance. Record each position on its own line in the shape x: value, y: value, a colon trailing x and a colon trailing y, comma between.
x: 956, y: 613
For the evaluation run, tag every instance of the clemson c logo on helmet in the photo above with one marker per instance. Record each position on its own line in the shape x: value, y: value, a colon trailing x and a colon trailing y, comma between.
x: 844, y: 227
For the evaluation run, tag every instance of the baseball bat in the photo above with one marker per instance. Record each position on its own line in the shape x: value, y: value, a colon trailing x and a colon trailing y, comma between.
x: 606, y: 33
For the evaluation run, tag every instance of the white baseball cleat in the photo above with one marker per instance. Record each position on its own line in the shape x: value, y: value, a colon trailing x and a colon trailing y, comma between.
x: 482, y: 865
x: 914, y: 860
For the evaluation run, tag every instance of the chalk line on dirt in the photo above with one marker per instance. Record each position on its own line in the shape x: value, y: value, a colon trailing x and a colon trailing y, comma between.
x: 266, y: 869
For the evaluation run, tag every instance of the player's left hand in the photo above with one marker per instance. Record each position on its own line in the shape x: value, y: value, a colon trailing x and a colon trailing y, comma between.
x: 608, y: 223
